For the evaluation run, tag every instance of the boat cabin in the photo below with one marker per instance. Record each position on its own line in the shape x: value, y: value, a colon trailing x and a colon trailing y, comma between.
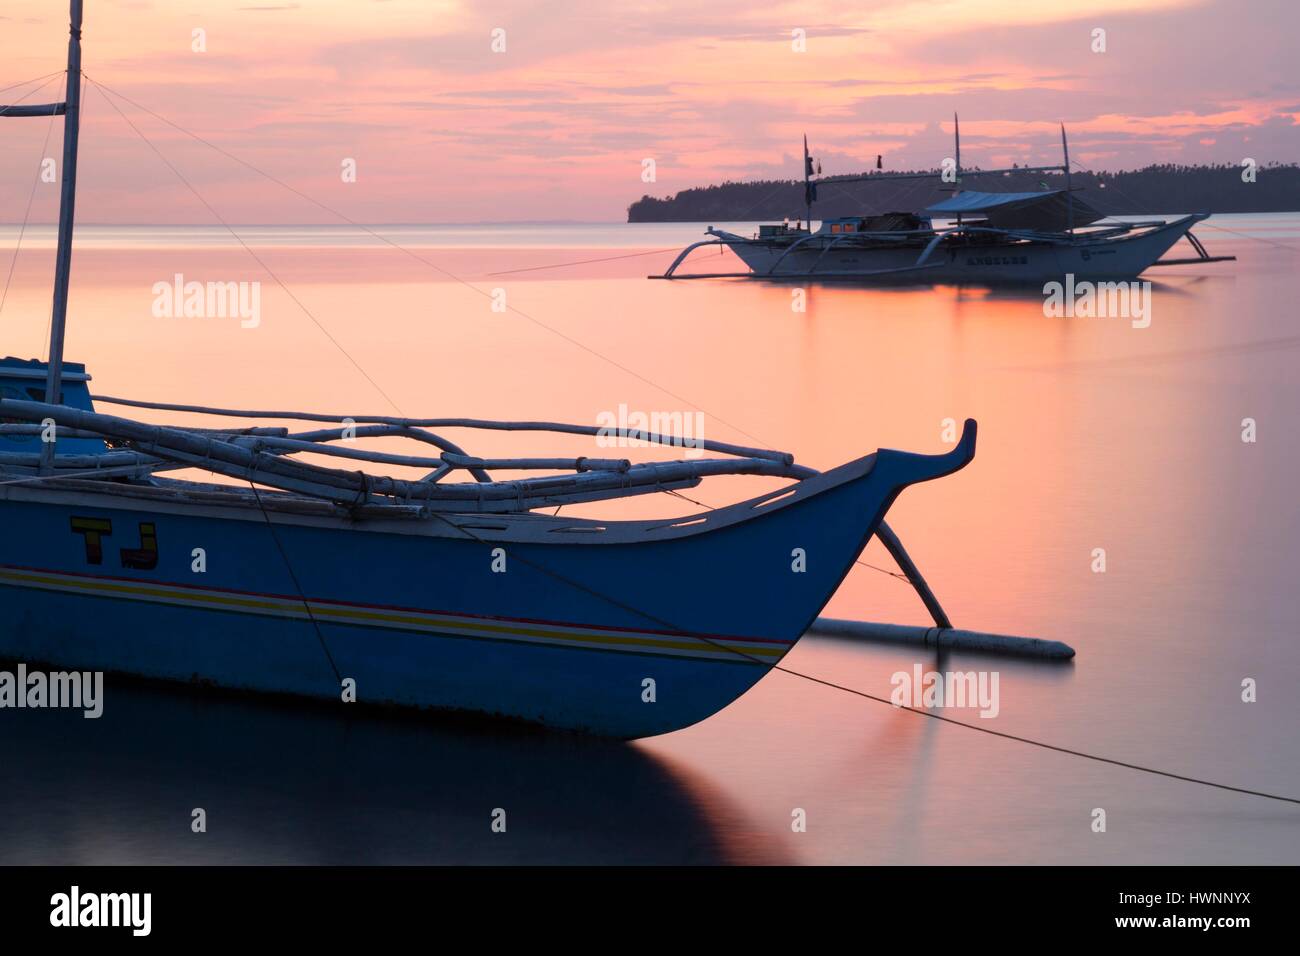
x: 1053, y: 210
x: 781, y: 230
x: 24, y: 380
x: 885, y: 222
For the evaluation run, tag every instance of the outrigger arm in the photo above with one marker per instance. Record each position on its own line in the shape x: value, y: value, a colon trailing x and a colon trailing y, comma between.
x: 942, y: 634
x: 681, y: 257
x: 905, y: 563
x: 1201, y: 255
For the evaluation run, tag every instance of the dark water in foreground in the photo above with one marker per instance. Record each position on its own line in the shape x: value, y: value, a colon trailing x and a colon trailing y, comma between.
x: 283, y: 785
x: 1093, y: 434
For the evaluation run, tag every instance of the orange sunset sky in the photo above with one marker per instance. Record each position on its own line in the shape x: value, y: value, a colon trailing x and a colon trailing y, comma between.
x: 443, y: 129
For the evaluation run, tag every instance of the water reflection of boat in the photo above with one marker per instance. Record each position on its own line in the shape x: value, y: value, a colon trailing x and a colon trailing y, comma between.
x: 306, y: 785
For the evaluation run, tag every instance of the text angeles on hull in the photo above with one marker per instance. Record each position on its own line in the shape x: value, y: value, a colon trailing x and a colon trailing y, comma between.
x: 1027, y: 238
x: 428, y: 593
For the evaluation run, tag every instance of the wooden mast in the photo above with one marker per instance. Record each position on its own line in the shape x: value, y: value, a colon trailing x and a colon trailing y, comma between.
x: 67, y: 203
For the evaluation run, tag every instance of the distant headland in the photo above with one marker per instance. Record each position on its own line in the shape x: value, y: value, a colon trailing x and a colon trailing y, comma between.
x: 1152, y: 190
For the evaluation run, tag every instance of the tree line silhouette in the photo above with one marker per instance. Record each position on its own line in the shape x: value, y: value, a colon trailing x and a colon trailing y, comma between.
x: 1160, y: 189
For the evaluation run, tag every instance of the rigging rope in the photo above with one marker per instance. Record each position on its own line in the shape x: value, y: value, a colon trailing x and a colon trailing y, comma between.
x: 1243, y: 235
x: 288, y: 566
x: 22, y: 229
x: 216, y: 215
x: 433, y: 265
x: 14, y: 86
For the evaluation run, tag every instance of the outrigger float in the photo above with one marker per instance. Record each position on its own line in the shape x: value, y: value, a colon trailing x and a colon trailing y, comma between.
x: 430, y: 592
x: 995, y: 238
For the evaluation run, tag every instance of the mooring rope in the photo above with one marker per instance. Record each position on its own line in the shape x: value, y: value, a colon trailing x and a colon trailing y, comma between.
x: 583, y: 262
x: 676, y: 630
x: 1042, y: 744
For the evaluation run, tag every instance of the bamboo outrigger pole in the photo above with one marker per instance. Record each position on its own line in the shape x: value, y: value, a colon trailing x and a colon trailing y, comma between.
x: 67, y: 202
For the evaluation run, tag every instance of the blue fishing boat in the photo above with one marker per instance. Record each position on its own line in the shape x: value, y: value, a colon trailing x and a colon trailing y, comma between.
x: 431, y: 593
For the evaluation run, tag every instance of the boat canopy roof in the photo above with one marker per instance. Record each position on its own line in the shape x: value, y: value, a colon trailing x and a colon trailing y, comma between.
x: 1046, y: 211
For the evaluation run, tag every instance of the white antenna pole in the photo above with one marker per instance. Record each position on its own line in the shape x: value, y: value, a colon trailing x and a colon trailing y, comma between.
x: 956, y: 137
x: 67, y: 202
x: 807, y: 180
x: 1069, y: 196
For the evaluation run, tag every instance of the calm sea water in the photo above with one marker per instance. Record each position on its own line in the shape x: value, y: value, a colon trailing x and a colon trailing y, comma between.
x: 1094, y: 434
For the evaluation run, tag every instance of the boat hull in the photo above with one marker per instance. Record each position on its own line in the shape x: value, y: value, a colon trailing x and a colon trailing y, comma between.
x: 654, y: 629
x: 1011, y: 262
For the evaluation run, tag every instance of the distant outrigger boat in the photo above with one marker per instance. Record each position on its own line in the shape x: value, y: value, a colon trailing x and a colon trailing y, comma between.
x: 424, y: 593
x: 1001, y: 238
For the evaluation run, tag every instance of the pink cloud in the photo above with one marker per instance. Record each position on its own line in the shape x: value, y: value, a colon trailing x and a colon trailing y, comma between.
x: 557, y: 126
